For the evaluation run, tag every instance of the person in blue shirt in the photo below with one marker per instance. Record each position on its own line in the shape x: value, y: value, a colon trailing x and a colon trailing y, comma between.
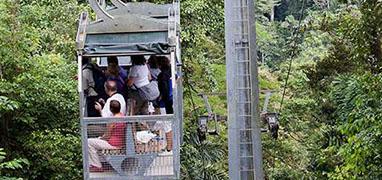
x: 165, y: 84
x: 116, y: 73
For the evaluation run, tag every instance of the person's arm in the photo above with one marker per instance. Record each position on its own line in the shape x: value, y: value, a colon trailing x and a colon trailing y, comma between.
x: 132, y: 75
x: 149, y: 73
x: 107, y: 134
x: 130, y: 81
x: 105, y: 112
x: 85, y: 80
x: 98, y: 107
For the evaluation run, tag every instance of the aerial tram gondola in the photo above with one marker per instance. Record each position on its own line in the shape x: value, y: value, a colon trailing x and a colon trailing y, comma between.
x: 127, y: 29
x: 124, y: 30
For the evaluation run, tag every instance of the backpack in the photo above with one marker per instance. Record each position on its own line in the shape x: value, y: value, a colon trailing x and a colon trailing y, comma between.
x: 98, y: 77
x: 149, y: 92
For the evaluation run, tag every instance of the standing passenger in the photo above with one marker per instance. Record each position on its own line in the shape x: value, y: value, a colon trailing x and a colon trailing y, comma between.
x: 165, y: 99
x: 165, y: 85
x: 139, y: 76
x: 154, y: 69
x: 89, y: 87
x: 116, y: 73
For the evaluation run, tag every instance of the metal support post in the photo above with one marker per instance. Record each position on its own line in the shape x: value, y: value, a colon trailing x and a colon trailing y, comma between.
x: 245, y: 155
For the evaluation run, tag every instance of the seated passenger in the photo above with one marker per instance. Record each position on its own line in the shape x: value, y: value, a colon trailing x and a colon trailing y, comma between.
x: 139, y: 76
x: 111, y: 91
x: 116, y: 73
x: 165, y: 126
x: 112, y: 139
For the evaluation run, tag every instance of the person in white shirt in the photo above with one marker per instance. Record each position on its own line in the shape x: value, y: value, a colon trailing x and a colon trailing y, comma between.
x: 111, y: 91
x: 139, y: 76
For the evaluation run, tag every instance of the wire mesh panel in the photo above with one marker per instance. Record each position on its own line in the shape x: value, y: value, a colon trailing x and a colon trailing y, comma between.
x: 139, y: 147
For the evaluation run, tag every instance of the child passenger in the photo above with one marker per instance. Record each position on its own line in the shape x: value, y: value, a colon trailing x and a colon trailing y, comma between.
x: 112, y: 139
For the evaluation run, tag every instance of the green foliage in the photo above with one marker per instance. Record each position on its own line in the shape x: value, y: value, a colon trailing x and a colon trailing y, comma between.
x: 202, y: 24
x: 38, y: 92
x: 10, y: 165
x: 56, y: 152
x: 357, y: 99
x: 329, y: 122
x: 330, y: 113
x: 199, y: 159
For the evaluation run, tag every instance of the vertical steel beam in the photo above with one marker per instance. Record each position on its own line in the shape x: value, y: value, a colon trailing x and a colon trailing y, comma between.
x: 233, y: 148
x: 83, y: 128
x: 256, y: 136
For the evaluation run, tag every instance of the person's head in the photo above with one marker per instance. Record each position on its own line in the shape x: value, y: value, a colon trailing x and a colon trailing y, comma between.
x: 153, y: 61
x: 138, y: 60
x: 110, y: 87
x: 85, y: 60
x: 112, y: 66
x: 163, y: 62
x: 112, y: 70
x: 112, y: 60
x: 115, y: 107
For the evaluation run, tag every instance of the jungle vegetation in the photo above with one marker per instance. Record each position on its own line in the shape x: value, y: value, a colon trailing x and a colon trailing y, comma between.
x: 330, y: 120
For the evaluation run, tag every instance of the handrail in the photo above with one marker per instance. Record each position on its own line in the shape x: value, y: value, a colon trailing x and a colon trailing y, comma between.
x: 103, y: 120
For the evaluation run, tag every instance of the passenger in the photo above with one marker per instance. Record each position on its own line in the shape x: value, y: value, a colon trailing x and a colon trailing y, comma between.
x: 116, y: 73
x: 154, y: 69
x: 89, y: 87
x: 166, y: 127
x: 111, y: 91
x: 165, y: 98
x: 165, y: 85
x: 112, y: 139
x: 139, y: 76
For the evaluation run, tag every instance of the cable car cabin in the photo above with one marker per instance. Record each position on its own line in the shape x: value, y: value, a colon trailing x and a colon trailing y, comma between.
x: 125, y: 134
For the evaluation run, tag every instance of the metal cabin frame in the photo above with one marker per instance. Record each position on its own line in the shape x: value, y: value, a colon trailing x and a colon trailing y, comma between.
x: 131, y: 29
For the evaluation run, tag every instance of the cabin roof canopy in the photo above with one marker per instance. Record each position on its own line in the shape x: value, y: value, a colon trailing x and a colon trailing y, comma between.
x: 125, y: 29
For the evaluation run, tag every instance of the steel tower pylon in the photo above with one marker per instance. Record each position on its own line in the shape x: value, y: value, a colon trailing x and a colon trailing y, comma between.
x: 245, y: 151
